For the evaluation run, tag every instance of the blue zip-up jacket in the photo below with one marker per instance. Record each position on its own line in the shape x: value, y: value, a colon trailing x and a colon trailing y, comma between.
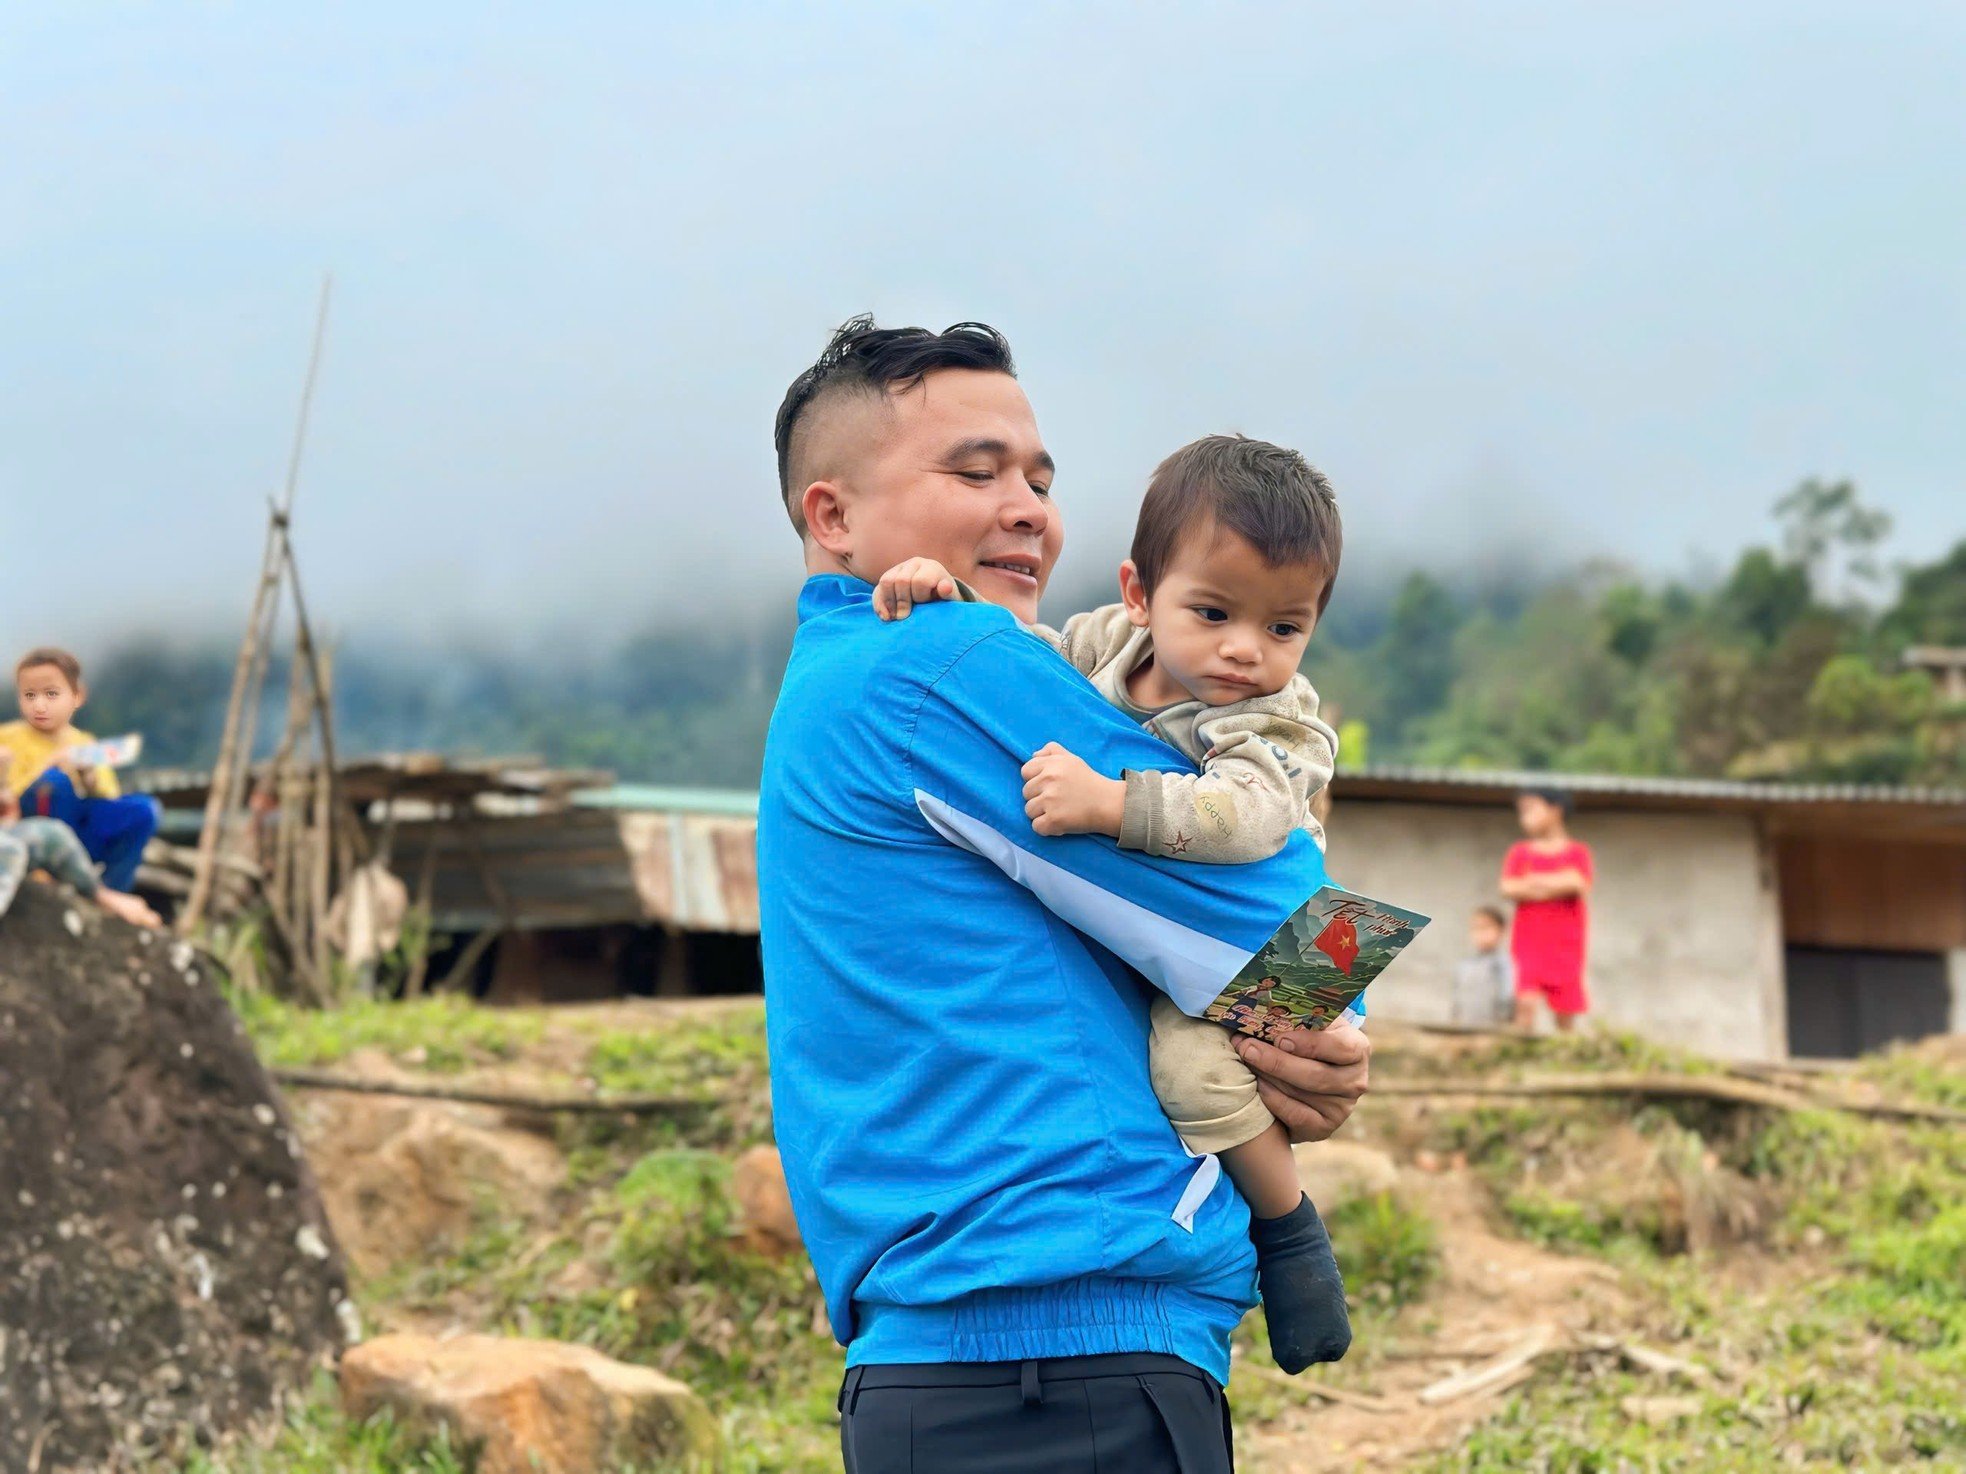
x: 958, y: 1035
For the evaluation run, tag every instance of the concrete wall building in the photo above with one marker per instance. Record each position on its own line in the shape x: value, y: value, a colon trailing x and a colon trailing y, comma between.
x: 1742, y: 920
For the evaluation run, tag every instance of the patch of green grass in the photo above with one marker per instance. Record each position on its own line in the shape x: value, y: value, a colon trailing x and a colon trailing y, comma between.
x: 1906, y: 1074
x: 697, y: 1055
x: 451, y: 1030
x: 1556, y: 1222
x: 315, y: 1437
x: 1859, y: 1367
x: 716, y: 1058
x: 1594, y: 1050
x: 1387, y: 1248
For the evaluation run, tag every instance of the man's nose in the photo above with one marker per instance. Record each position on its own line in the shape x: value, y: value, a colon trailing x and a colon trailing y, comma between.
x: 1026, y: 510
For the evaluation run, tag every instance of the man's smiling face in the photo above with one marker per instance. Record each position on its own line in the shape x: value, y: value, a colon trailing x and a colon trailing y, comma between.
x: 952, y: 469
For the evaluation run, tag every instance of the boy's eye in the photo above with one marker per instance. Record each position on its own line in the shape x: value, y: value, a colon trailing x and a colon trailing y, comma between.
x: 1283, y: 631
x: 1212, y: 615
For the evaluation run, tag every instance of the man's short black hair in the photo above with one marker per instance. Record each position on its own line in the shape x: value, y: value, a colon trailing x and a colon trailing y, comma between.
x: 1270, y: 495
x: 1556, y: 798
x: 864, y: 359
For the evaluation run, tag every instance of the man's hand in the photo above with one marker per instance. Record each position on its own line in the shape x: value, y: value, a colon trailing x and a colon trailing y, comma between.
x: 1064, y: 796
x: 906, y: 584
x: 1311, y: 1078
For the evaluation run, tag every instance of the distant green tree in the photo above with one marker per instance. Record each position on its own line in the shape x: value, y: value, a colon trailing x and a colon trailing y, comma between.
x: 1413, y: 662
x: 1931, y: 607
x: 1850, y: 695
x: 1763, y: 596
x: 1633, y: 619
x: 1833, y: 536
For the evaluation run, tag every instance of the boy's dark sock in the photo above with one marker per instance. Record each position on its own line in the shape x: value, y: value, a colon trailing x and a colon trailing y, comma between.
x: 1303, y: 1295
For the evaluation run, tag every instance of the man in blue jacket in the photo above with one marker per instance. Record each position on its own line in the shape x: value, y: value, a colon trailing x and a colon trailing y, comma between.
x: 1025, y: 1266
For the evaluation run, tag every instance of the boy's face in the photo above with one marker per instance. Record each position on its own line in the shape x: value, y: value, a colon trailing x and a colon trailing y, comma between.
x: 1484, y: 932
x: 1227, y: 626
x: 1538, y: 817
x: 47, y: 701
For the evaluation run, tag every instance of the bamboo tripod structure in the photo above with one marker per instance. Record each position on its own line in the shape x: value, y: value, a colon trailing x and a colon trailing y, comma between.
x: 311, y: 845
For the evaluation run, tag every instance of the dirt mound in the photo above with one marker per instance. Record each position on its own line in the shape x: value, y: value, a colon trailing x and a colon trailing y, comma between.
x: 403, y: 1180
x: 1946, y: 1051
x: 166, y: 1269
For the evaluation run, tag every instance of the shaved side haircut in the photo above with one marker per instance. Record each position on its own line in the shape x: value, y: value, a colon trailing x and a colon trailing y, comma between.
x: 870, y: 363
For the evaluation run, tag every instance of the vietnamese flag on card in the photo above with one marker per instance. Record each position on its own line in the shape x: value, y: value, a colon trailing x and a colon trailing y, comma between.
x: 1339, y: 942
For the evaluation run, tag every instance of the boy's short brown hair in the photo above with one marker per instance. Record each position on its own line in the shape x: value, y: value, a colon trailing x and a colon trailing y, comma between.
x: 60, y: 659
x: 1266, y: 493
x: 1494, y: 914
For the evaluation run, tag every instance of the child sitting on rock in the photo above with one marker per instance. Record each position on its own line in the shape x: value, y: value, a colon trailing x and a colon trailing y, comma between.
x: 45, y: 781
x: 1234, y: 557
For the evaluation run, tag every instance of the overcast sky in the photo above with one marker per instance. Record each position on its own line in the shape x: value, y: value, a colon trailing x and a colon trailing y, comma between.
x: 1609, y: 277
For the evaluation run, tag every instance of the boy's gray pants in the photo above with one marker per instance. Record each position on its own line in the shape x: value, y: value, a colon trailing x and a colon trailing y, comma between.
x: 42, y: 844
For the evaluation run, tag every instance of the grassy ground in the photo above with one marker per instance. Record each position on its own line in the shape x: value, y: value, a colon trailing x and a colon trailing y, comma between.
x: 1832, y: 1326
x: 1825, y: 1309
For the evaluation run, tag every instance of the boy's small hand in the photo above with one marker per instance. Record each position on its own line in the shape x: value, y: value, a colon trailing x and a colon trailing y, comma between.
x: 1064, y: 796
x: 906, y: 584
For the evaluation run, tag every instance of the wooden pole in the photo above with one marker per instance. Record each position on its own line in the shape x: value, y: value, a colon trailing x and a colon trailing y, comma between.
x: 322, y: 835
x: 425, y: 887
x: 636, y: 1105
x: 248, y: 672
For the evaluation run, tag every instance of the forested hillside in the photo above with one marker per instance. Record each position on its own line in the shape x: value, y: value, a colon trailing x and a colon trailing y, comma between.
x: 1785, y: 664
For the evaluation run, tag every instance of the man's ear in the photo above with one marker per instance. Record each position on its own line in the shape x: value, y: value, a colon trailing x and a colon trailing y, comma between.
x: 1133, y: 594
x: 824, y: 507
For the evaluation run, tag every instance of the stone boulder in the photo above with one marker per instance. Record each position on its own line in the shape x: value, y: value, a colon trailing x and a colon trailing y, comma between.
x: 167, y: 1271
x: 1335, y: 1172
x: 404, y: 1177
x: 533, y: 1407
x: 764, y: 1206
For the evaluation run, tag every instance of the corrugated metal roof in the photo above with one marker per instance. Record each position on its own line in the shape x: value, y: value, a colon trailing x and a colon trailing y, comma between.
x: 733, y: 803
x: 737, y: 803
x: 527, y: 873
x: 1617, y: 784
x: 694, y: 871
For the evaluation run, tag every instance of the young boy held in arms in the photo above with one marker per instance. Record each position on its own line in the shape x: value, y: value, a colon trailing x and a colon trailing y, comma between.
x: 1234, y: 557
x: 38, y: 775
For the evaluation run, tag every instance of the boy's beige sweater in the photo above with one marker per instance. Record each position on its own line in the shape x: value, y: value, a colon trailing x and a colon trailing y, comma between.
x: 1261, y: 760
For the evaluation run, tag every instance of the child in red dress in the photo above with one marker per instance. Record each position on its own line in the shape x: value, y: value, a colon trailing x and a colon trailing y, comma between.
x: 1548, y: 875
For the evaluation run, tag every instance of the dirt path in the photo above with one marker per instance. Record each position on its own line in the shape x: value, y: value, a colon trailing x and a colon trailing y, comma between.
x: 1492, y: 1292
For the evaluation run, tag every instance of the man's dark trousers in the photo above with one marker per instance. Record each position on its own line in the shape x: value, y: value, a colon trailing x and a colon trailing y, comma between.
x: 1134, y: 1413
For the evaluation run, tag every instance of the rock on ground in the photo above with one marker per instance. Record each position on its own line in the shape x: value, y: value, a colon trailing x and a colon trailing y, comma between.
x: 166, y: 1269
x: 403, y: 1177
x: 533, y: 1407
x: 764, y: 1206
x: 1335, y: 1172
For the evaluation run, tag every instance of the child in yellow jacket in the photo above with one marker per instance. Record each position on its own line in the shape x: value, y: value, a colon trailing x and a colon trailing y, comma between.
x: 40, y: 776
